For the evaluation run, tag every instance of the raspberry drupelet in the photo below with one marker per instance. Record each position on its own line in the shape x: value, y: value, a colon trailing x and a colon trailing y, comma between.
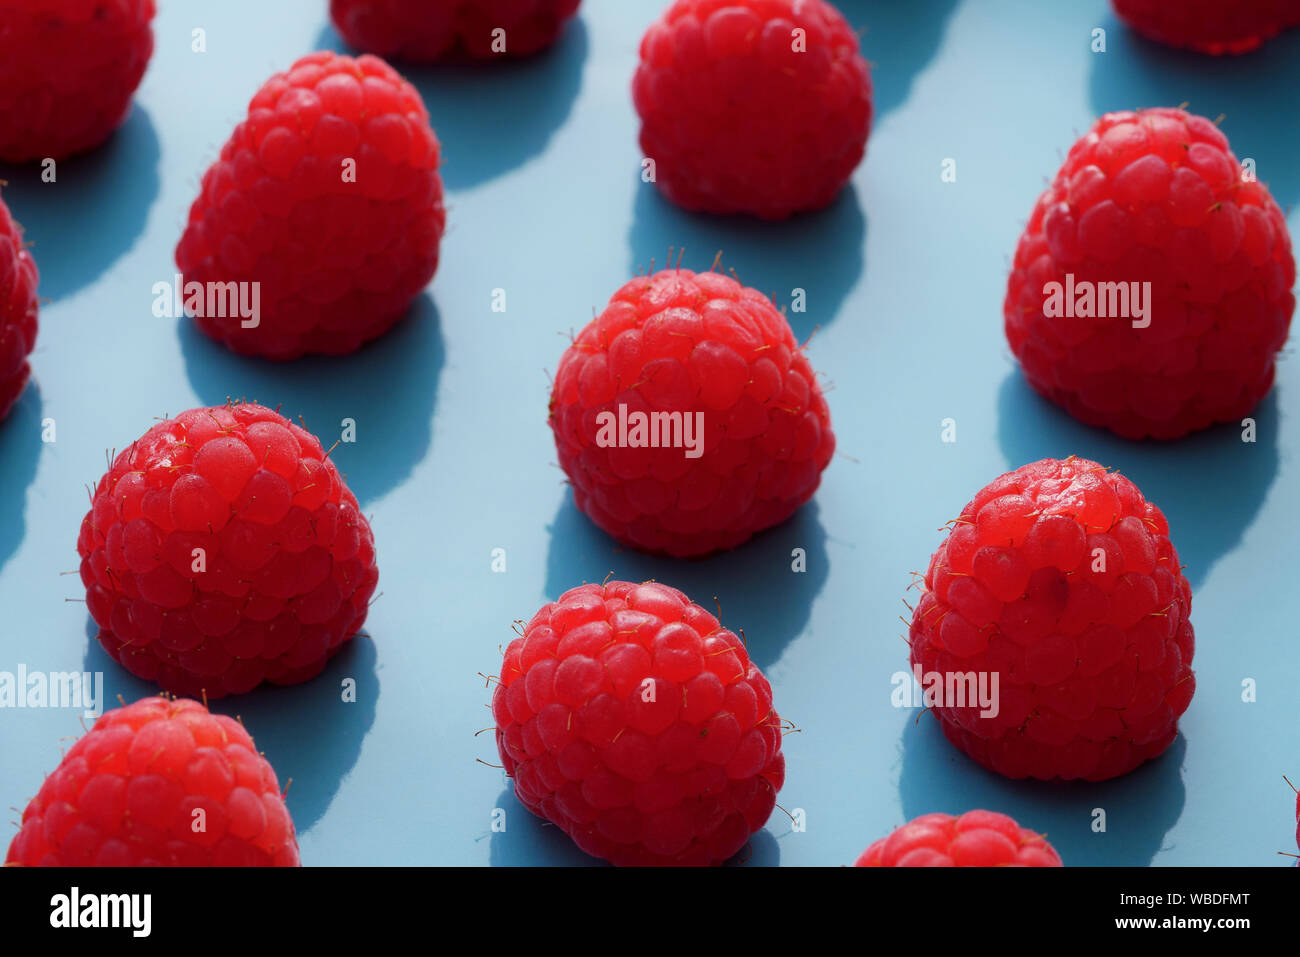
x: 752, y: 106
x: 328, y: 198
x: 1152, y: 206
x: 701, y: 352
x: 975, y: 839
x: 1059, y: 582
x: 159, y: 783
x: 223, y: 549
x: 630, y: 718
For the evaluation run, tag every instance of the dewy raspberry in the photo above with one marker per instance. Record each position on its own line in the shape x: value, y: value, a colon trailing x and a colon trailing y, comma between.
x: 222, y: 549
x: 68, y: 69
x: 1059, y: 580
x: 1151, y: 289
x: 328, y: 198
x: 630, y: 718
x: 18, y: 311
x: 752, y: 106
x: 422, y: 31
x: 159, y: 783
x: 687, y: 417
x: 975, y: 839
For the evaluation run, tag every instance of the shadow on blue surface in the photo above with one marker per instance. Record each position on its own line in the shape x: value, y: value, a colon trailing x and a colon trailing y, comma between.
x: 820, y: 252
x: 388, y: 387
x: 1209, y: 484
x: 528, y: 841
x: 1136, y: 73
x: 898, y: 40
x: 20, y: 451
x: 755, y: 581
x: 94, y: 211
x: 494, y: 117
x: 1141, y: 807
x: 308, y: 733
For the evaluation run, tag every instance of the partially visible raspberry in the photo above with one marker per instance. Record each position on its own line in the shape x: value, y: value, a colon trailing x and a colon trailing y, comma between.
x: 629, y: 717
x: 1297, y: 813
x: 328, y: 195
x: 1059, y: 581
x: 68, y: 69
x: 18, y: 310
x: 1152, y: 197
x: 752, y: 106
x: 976, y: 839
x: 716, y: 354
x: 159, y: 783
x: 421, y: 31
x: 222, y: 549
x: 1209, y: 26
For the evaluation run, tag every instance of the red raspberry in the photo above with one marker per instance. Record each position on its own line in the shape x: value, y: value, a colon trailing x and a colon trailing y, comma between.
x: 1153, y: 197
x: 1210, y: 26
x: 422, y: 31
x: 222, y: 549
x: 635, y: 722
x: 18, y: 310
x: 68, y: 69
x: 339, y: 256
x: 130, y: 792
x: 976, y: 839
x: 722, y: 356
x: 1059, y: 582
x: 741, y: 114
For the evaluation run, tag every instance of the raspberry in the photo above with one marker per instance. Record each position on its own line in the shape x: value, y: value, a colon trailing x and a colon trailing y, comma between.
x: 159, y: 782
x: 221, y: 550
x: 18, y: 311
x: 421, y: 31
x: 328, y: 195
x: 68, y: 69
x: 976, y: 839
x: 1154, y: 197
x: 1059, y: 582
x: 629, y: 717
x: 752, y: 106
x: 1210, y: 26
x: 721, y: 358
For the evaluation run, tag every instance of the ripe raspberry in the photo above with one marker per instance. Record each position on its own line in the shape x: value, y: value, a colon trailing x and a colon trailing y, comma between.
x: 741, y: 114
x: 18, y: 311
x: 130, y: 792
x: 1059, y: 582
x: 1210, y: 26
x: 720, y: 354
x: 329, y: 196
x: 421, y: 31
x: 222, y: 549
x: 1153, y: 197
x: 635, y: 722
x: 976, y: 839
x: 68, y: 69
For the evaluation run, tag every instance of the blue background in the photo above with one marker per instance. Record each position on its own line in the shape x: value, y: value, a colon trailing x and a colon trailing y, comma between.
x: 904, y: 276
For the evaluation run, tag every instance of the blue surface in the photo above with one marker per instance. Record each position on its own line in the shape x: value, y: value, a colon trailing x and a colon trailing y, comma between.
x: 905, y: 277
